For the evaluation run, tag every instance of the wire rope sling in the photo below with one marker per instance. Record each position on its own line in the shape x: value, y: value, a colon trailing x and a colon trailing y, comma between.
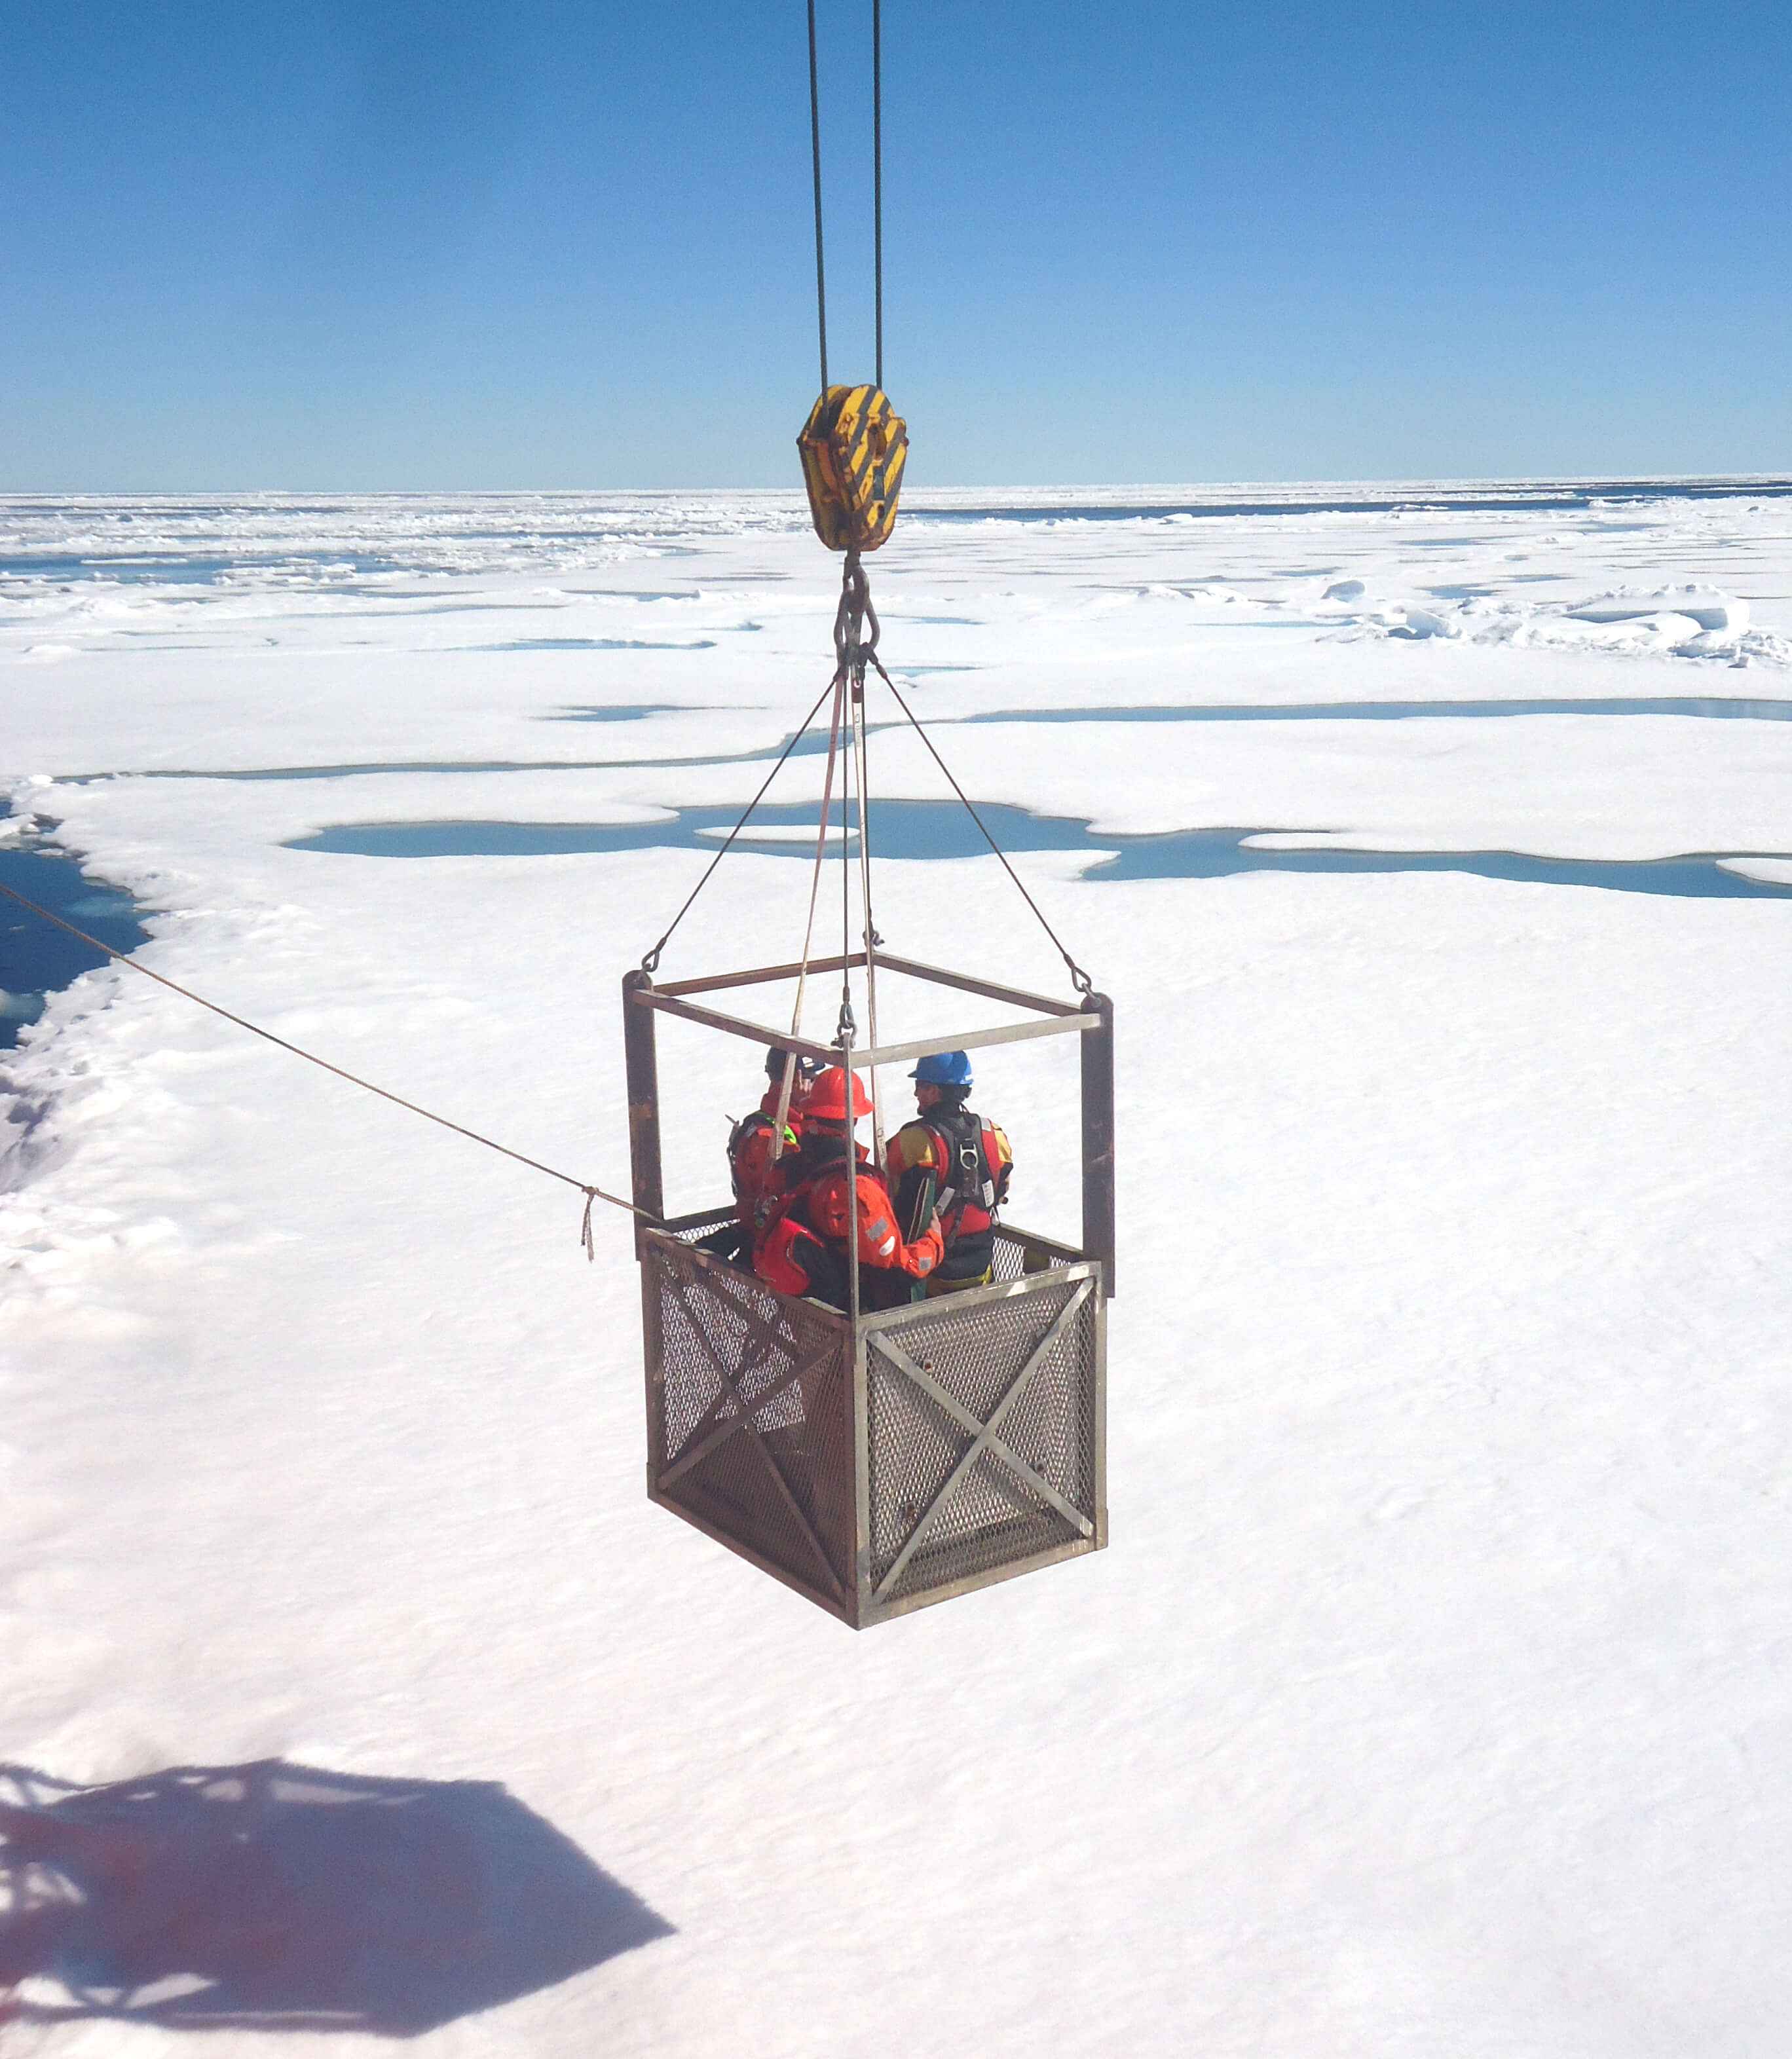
x: 876, y: 1459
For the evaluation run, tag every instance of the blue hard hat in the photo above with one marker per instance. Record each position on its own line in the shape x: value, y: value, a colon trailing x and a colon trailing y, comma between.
x: 944, y: 1069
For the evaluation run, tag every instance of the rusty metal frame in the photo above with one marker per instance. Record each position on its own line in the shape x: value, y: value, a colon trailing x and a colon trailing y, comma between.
x: 665, y: 1478
x: 1090, y: 1526
x: 984, y: 1436
x: 822, y: 1343
x: 868, y: 1599
x: 744, y: 1414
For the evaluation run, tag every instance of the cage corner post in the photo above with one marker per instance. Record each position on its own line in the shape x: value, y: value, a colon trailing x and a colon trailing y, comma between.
x: 642, y: 1068
x: 1098, y: 1126
x: 861, y: 1449
x: 641, y: 1064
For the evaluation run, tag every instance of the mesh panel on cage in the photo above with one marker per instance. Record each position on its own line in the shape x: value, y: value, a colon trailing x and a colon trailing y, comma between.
x: 782, y: 1485
x: 974, y: 1350
x: 914, y: 1444
x: 708, y: 1317
x: 992, y: 1516
x: 1006, y: 1258
x: 700, y: 1334
x: 733, y: 1486
x: 1052, y: 1423
x: 690, y: 1385
x: 776, y: 1339
x: 733, y: 1489
x: 694, y: 1232
x: 796, y: 1360
x: 1009, y: 1259
x: 992, y: 1520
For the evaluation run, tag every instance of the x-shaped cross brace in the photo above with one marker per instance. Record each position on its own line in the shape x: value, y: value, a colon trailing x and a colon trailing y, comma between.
x: 763, y: 1338
x: 744, y: 1410
x: 984, y: 1436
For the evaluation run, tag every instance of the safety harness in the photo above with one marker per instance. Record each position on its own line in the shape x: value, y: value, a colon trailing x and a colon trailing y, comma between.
x: 970, y: 1183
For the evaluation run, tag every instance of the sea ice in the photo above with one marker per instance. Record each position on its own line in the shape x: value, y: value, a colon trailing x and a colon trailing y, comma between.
x: 1429, y: 1698
x: 1720, y: 613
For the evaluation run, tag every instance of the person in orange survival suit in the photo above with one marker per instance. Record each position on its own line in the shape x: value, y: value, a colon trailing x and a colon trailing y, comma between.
x: 803, y: 1250
x: 760, y: 1181
x: 950, y: 1166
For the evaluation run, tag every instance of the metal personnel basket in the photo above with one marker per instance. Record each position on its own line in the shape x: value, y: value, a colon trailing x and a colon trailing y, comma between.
x: 920, y: 1452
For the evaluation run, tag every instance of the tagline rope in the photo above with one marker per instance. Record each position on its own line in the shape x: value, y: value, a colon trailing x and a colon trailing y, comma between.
x: 592, y: 1192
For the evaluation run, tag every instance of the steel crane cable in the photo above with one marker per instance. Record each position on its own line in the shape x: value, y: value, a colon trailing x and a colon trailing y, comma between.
x: 855, y: 608
x: 854, y: 577
x: 877, y: 172
x: 861, y: 743
x: 1079, y: 979
x: 821, y: 849
x: 650, y: 962
x: 815, y: 150
x: 877, y: 184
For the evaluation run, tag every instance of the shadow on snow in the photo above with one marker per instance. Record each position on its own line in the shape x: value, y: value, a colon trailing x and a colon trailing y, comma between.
x: 274, y: 1897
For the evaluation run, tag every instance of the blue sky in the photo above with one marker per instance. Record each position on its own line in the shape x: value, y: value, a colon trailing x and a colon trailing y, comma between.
x: 372, y: 243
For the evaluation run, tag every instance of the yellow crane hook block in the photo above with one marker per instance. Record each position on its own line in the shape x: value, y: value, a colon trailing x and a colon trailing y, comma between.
x: 853, y: 446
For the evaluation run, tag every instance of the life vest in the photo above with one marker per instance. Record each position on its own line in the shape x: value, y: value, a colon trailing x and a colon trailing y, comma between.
x: 820, y: 1203
x: 802, y: 1249
x: 757, y: 1177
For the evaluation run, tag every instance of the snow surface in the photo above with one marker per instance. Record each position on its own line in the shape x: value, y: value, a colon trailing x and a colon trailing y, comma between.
x: 1434, y: 1695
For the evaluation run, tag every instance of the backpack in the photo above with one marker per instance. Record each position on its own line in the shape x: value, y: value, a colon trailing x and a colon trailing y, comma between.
x: 751, y: 1167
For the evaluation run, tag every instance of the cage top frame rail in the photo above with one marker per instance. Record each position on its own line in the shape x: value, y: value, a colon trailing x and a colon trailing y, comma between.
x: 1091, y: 1019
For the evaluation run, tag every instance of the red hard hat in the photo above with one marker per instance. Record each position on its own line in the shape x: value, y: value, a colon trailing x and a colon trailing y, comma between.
x: 827, y: 1099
